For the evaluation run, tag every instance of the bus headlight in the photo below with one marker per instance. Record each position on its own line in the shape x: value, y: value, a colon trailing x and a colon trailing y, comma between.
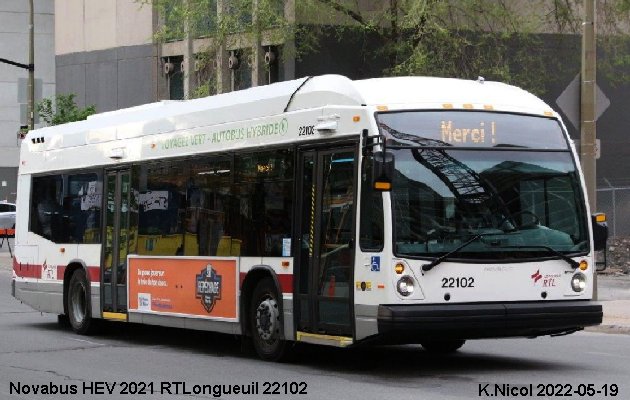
x: 405, y: 286
x: 578, y: 282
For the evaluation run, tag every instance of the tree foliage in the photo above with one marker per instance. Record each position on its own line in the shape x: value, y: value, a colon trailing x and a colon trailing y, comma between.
x: 504, y: 40
x: 238, y: 23
x: 612, y: 30
x: 61, y: 109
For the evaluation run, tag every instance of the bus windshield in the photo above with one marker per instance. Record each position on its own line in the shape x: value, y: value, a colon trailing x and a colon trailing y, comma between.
x: 524, y: 203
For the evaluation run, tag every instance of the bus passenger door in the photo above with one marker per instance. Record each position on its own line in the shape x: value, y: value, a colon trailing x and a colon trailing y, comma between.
x: 326, y: 247
x: 119, y: 231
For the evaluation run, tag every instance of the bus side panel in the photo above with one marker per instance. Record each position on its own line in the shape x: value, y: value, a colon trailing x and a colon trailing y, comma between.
x: 186, y: 322
x: 25, y: 272
x: 95, y: 294
x: 22, y: 209
x: 90, y: 256
x: 51, y: 297
x: 26, y: 291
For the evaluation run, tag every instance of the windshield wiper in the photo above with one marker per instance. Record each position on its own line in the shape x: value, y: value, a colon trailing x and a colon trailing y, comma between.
x: 429, y: 266
x: 574, y: 264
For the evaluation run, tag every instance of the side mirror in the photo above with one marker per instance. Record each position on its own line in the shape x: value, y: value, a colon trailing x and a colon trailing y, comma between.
x: 383, y: 171
x: 600, y: 231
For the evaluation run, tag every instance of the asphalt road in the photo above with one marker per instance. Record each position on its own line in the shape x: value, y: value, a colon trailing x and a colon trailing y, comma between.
x: 35, y: 350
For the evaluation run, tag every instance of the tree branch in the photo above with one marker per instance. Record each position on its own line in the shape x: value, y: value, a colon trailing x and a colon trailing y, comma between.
x: 345, y: 10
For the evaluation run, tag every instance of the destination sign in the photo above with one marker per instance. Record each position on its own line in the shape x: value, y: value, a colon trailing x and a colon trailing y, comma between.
x: 452, y: 133
x: 472, y: 129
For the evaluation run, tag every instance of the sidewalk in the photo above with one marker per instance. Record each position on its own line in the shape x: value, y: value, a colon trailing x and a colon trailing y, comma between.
x: 6, y: 262
x: 613, y: 294
x: 616, y: 317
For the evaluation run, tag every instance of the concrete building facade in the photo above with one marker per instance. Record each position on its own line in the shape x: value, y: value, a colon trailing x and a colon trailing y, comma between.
x: 14, y: 39
x: 105, y: 53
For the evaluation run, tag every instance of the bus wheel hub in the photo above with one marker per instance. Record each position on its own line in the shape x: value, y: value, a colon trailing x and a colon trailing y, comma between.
x: 267, y: 317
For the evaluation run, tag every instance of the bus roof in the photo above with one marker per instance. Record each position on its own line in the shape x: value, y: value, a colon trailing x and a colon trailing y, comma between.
x: 288, y: 96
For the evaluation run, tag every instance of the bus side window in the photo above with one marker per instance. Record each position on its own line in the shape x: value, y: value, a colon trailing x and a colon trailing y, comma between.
x: 82, y: 205
x: 371, y: 235
x: 262, y: 193
x: 45, y: 219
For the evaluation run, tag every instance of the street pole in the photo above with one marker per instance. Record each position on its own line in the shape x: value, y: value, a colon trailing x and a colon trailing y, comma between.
x: 30, y: 67
x: 31, y: 71
x: 588, y: 110
x: 189, y: 55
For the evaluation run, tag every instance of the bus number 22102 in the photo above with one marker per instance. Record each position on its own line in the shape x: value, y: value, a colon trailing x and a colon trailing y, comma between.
x: 459, y: 282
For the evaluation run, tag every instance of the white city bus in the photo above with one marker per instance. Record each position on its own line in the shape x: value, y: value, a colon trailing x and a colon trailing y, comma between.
x: 319, y: 210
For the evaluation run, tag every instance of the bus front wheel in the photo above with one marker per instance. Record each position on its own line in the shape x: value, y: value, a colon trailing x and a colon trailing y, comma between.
x: 79, y: 308
x: 442, y: 346
x: 266, y: 322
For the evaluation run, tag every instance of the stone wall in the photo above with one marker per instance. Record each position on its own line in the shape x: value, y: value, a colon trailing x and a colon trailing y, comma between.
x: 618, y: 256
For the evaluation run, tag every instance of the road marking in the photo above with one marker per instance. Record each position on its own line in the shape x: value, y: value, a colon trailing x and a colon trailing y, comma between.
x: 88, y: 341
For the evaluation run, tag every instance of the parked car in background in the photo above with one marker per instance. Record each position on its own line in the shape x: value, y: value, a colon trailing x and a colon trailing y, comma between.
x: 7, y: 216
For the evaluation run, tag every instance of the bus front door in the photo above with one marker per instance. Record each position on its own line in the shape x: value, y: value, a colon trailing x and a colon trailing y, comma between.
x: 119, y: 234
x: 326, y: 248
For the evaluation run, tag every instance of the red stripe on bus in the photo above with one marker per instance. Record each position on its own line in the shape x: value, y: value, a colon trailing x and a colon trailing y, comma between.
x: 35, y: 271
x: 94, y: 274
x: 27, y: 270
x: 285, y: 281
x: 61, y: 270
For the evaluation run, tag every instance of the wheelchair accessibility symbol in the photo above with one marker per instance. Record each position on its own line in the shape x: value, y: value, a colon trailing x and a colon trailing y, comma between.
x: 375, y: 263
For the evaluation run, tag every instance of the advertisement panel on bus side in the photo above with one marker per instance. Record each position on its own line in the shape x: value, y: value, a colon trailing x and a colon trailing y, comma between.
x: 204, y: 287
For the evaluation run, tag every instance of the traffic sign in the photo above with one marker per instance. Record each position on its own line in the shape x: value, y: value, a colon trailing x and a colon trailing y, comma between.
x: 569, y: 102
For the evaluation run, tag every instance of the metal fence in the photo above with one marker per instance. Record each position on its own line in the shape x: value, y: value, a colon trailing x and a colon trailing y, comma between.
x: 615, y: 202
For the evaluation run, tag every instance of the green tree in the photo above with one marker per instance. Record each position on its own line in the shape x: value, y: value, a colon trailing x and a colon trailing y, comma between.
x: 499, y: 39
x: 61, y: 109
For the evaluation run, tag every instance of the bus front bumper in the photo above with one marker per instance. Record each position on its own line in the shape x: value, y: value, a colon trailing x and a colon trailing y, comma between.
x: 486, y: 320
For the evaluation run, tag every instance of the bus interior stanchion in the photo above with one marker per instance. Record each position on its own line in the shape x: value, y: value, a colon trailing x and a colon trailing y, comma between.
x: 5, y: 236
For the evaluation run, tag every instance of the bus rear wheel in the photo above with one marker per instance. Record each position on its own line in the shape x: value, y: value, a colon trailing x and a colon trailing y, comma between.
x: 442, y: 346
x: 266, y: 322
x: 79, y: 307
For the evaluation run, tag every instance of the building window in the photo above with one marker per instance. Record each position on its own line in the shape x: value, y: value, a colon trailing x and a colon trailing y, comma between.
x: 176, y: 78
x: 241, y: 73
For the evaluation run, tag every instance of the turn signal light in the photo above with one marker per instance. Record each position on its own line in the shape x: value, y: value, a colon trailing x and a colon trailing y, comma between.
x: 583, y: 265
x: 600, y: 217
x: 378, y: 185
x: 399, y: 268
